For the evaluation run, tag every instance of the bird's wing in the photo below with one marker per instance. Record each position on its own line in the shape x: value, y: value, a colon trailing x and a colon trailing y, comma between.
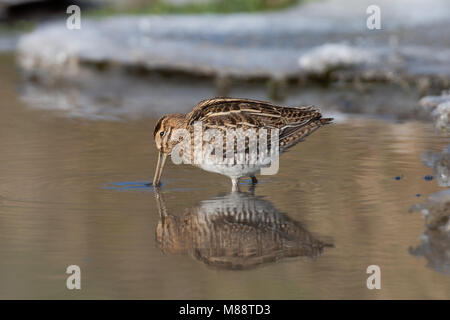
x: 293, y: 123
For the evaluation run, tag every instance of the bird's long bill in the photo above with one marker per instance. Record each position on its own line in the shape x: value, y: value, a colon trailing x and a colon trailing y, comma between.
x: 159, y: 169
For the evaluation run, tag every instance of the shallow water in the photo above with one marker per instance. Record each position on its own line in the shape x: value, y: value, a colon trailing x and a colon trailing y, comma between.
x: 74, y: 191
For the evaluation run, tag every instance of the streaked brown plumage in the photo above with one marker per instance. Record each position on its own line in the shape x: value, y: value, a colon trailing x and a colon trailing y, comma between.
x: 294, y: 124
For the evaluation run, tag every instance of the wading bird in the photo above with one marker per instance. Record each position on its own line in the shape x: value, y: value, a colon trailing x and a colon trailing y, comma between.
x: 292, y: 125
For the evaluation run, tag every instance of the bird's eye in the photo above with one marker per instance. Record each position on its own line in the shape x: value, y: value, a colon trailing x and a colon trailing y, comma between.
x: 161, y: 133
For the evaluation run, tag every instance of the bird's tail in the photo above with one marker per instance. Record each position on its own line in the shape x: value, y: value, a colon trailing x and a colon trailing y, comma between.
x: 299, y: 134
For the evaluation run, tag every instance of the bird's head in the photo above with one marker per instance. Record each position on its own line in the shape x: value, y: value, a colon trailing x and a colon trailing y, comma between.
x: 164, y: 129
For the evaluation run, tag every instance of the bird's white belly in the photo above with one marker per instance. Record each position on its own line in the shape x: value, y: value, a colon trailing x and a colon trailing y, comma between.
x: 243, y: 168
x: 235, y: 171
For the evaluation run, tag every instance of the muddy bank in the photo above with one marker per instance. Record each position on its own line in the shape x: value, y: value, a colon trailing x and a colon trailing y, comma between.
x: 440, y: 163
x: 312, y: 39
x: 113, y: 94
x: 435, y: 241
x: 439, y: 108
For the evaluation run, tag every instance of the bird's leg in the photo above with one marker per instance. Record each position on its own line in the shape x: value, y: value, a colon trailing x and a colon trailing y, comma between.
x: 254, y: 180
x: 235, y: 185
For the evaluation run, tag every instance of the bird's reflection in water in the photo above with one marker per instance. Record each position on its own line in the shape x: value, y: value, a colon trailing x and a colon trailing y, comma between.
x: 235, y: 231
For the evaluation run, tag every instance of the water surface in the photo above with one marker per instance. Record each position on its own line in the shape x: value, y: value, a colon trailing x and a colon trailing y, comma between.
x: 73, y: 191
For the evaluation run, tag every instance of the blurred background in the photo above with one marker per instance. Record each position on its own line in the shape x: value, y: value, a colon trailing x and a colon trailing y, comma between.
x: 77, y: 111
x: 281, y: 50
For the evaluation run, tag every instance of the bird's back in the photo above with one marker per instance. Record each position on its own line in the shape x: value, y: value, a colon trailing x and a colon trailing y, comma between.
x: 294, y: 124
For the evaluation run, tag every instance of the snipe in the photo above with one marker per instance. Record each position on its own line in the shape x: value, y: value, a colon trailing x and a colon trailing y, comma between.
x: 224, y: 115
